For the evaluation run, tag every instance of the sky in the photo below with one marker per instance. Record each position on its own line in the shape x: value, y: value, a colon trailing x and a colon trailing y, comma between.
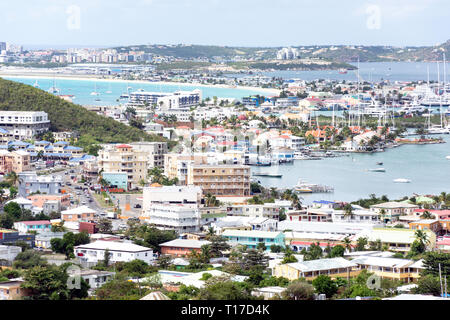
x: 249, y: 23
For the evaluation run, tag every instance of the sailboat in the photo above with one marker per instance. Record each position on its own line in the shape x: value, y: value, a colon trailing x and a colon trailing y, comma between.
x: 36, y: 84
x: 109, y: 88
x: 95, y: 93
x: 439, y: 129
x: 53, y: 89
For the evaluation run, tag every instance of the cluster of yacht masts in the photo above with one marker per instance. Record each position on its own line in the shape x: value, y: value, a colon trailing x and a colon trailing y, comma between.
x: 357, y: 113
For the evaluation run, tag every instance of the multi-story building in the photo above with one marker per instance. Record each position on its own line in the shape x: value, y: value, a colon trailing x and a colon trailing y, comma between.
x: 24, y: 124
x: 167, y: 100
x: 251, y: 238
x: 16, y: 161
x: 178, y: 217
x: 267, y: 210
x: 155, y: 152
x: 124, y: 158
x: 221, y: 180
x: 392, y: 210
x: 30, y: 182
x: 156, y: 194
x: 78, y: 214
x: 9, y: 253
x: 176, y: 165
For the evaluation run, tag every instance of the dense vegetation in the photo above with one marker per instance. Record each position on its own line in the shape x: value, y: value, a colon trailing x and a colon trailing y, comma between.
x: 66, y: 116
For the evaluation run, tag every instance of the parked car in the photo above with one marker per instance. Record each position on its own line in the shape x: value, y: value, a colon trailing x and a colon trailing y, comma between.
x: 137, y: 205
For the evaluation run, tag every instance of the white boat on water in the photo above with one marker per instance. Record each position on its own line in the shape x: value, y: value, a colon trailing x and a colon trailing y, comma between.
x: 438, y: 130
x: 305, y: 187
x: 447, y: 157
x: 402, y: 180
x: 378, y: 170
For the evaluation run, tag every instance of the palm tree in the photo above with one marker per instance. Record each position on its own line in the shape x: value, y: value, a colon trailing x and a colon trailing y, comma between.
x: 347, y: 244
x: 348, y: 210
x: 12, y: 178
x: 422, y: 237
x: 426, y: 215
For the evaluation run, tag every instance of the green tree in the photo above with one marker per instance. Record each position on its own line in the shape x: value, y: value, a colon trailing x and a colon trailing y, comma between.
x: 428, y: 284
x: 223, y: 290
x: 46, y: 283
x: 337, y: 251
x: 29, y: 259
x: 299, y: 290
x: 324, y: 284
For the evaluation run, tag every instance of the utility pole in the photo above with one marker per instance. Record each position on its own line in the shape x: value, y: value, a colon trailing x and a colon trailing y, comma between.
x: 440, y: 280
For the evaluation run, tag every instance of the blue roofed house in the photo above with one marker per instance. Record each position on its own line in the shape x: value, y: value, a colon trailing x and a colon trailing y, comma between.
x: 5, y: 136
x: 324, y: 204
x: 251, y: 238
x: 74, y: 151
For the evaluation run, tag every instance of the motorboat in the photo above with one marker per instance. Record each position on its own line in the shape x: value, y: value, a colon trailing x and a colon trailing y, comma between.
x: 402, y: 180
x: 438, y: 130
x: 378, y: 170
x: 447, y: 157
x: 380, y: 163
x: 305, y: 187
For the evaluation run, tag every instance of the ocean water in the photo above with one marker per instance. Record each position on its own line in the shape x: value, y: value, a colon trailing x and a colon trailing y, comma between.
x: 81, y: 89
x: 425, y: 165
x: 370, y: 71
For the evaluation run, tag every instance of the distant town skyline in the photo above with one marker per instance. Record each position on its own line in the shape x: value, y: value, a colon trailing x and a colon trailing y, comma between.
x: 249, y: 23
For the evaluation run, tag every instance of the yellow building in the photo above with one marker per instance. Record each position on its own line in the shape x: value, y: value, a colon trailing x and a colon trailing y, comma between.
x: 397, y: 239
x: 176, y: 165
x: 11, y: 290
x: 123, y: 158
x: 391, y: 268
x: 221, y: 180
x: 334, y: 268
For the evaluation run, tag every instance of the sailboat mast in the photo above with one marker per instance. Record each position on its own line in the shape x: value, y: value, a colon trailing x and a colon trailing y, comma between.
x: 439, y: 89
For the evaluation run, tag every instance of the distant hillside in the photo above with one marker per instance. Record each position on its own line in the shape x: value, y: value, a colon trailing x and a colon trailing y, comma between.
x: 66, y: 116
x: 335, y: 53
x: 198, y: 51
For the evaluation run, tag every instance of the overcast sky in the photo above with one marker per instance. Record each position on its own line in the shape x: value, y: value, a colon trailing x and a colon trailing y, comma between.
x: 225, y: 22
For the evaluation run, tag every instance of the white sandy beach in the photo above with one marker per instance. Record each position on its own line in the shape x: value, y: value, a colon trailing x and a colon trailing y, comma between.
x: 31, y: 75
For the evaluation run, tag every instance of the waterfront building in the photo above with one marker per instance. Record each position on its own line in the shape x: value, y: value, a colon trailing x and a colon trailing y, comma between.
x: 167, y: 100
x: 24, y: 124
x: 220, y: 180
x: 124, y: 158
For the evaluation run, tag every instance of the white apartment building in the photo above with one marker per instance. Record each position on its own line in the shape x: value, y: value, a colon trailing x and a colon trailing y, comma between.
x: 94, y: 252
x: 157, y: 194
x: 24, y: 124
x: 155, y: 152
x: 124, y: 158
x: 178, y: 217
x: 267, y: 210
x: 167, y: 100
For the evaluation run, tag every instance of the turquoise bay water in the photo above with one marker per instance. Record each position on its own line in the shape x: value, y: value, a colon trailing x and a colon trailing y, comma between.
x: 82, y: 89
x: 425, y: 165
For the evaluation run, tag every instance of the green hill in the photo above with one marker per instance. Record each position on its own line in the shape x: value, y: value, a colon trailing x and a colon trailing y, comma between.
x: 67, y: 116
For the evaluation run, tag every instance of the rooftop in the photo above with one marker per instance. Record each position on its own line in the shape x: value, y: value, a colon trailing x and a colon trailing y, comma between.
x: 113, y: 246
